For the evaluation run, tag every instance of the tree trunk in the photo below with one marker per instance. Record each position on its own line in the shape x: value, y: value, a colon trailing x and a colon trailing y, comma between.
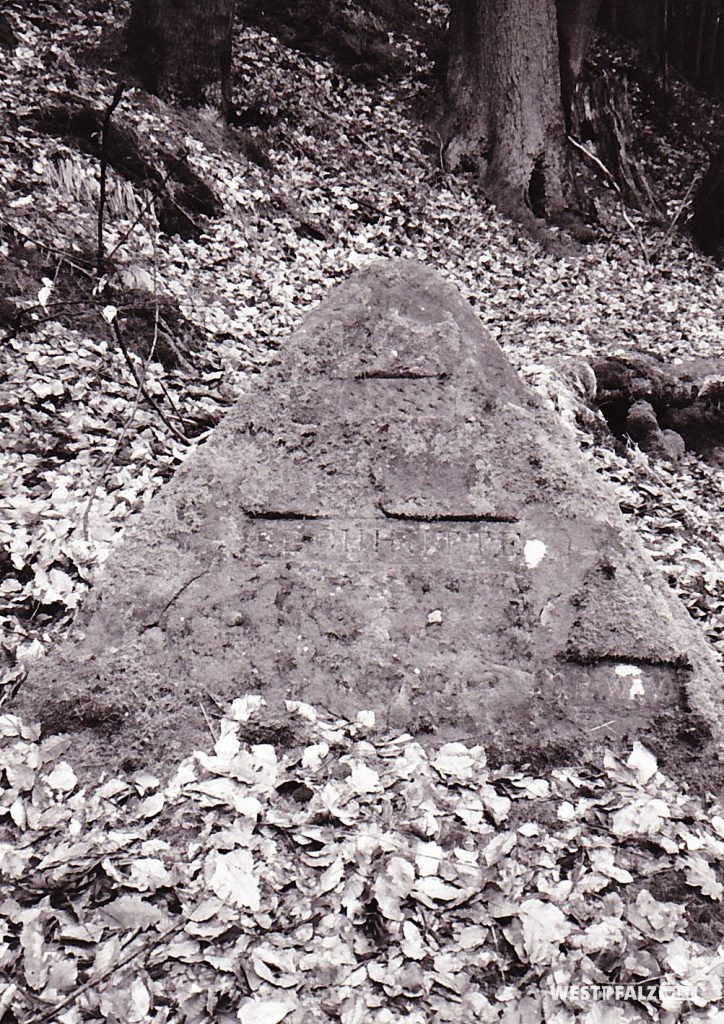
x: 713, y: 58
x: 696, y: 56
x: 718, y: 60
x: 504, y: 114
x: 576, y: 22
x: 182, y: 48
x: 707, y: 221
x: 602, y: 119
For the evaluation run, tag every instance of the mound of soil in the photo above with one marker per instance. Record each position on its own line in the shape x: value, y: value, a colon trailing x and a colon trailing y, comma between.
x: 181, y: 195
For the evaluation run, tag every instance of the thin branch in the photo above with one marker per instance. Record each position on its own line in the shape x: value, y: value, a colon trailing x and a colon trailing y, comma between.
x: 184, y: 213
x: 172, y: 402
x: 679, y: 211
x: 624, y: 212
x: 58, y: 305
x: 144, y: 391
x: 156, y: 322
x: 139, y: 392
x: 666, y: 45
x: 443, y: 167
x: 441, y: 152
x: 48, y: 248
x: 174, y: 597
x: 637, y: 232
x: 147, y: 947
x: 210, y: 727
x: 104, y: 169
x: 599, y: 163
x: 111, y: 458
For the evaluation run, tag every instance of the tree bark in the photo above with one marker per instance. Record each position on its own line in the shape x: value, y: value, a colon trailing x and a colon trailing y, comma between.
x: 601, y: 117
x: 504, y: 114
x: 576, y: 22
x: 181, y: 49
x: 718, y: 61
x: 707, y: 221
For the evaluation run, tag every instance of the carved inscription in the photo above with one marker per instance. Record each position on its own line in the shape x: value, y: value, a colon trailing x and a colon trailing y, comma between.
x: 487, y: 546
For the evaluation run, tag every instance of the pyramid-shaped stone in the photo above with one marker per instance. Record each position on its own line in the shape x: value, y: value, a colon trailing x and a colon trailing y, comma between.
x: 388, y: 519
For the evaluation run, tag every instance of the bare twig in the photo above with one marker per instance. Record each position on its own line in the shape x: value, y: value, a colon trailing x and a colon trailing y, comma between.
x: 144, y: 391
x: 174, y: 597
x: 139, y: 392
x: 441, y: 152
x: 216, y: 700
x: 147, y: 947
x: 617, y: 188
x: 679, y: 211
x: 637, y: 231
x: 116, y: 448
x: 48, y: 248
x: 666, y: 44
x: 599, y: 163
x: 603, y: 725
x: 156, y: 323
x: 184, y: 213
x: 104, y: 169
x: 172, y: 402
x: 443, y: 166
x: 210, y: 727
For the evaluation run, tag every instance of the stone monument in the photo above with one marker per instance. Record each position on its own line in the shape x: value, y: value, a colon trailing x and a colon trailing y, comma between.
x: 388, y: 519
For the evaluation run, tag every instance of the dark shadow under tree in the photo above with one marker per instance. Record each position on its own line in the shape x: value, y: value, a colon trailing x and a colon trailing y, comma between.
x: 707, y: 220
x: 181, y: 49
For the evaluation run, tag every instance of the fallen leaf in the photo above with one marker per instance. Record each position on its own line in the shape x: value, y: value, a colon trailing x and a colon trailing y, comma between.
x: 264, y: 1011
x: 231, y: 876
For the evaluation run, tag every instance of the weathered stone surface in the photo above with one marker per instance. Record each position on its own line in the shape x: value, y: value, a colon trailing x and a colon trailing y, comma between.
x: 386, y: 520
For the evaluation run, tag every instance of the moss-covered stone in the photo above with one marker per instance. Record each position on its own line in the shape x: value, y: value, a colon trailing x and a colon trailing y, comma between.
x: 387, y: 520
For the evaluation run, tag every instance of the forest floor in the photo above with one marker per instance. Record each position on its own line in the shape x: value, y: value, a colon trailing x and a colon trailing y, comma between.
x: 338, y: 876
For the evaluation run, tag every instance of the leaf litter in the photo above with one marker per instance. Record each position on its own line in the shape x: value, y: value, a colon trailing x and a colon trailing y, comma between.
x: 351, y: 875
x: 346, y: 875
